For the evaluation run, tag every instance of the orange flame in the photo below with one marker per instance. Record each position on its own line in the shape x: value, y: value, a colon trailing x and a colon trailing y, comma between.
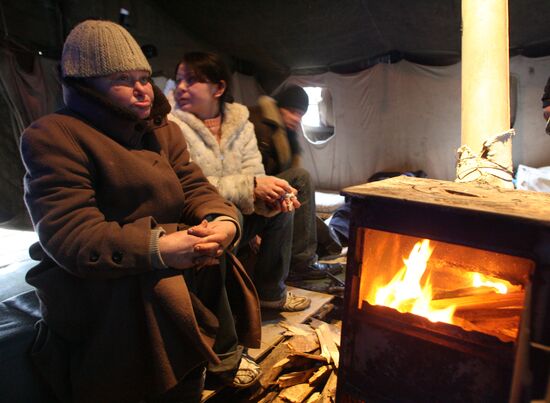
x: 405, y: 292
x: 479, y: 280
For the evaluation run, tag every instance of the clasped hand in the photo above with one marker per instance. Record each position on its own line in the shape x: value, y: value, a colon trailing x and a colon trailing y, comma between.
x: 198, y: 246
x: 276, y: 193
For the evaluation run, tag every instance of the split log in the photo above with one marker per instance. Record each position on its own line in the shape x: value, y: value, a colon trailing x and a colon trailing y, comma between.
x: 314, y: 398
x: 296, y: 329
x: 324, y: 349
x: 269, y: 398
x: 328, y: 395
x: 336, y: 330
x: 300, y: 361
x: 324, y: 311
x: 297, y: 393
x: 294, y: 378
x: 282, y: 363
x: 471, y: 291
x: 270, y: 372
x: 304, y: 344
x: 461, y: 292
x: 473, y: 302
x: 320, y: 375
x: 329, y: 350
x: 490, y: 314
x: 506, y: 329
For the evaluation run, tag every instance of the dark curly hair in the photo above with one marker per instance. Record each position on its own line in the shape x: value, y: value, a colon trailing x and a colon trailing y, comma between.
x: 209, y: 67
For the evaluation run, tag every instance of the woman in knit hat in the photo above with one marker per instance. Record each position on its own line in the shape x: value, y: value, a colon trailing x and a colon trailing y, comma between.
x: 222, y: 141
x: 125, y: 222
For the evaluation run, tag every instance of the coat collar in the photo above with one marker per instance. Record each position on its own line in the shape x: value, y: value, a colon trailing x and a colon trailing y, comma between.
x: 118, y: 123
x: 270, y: 112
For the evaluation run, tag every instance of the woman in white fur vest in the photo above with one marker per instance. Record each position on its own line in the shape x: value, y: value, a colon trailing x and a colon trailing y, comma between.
x: 222, y: 142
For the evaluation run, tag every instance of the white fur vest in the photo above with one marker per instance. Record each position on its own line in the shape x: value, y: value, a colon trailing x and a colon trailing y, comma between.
x: 230, y: 165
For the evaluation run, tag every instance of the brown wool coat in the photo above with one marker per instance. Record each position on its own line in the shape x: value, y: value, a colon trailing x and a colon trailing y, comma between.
x: 97, y: 183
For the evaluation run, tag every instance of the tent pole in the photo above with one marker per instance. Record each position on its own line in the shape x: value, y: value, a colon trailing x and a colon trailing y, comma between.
x: 486, y: 151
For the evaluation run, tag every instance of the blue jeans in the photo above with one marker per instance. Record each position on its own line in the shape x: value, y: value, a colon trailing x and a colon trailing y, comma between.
x: 273, y: 261
x: 304, y: 244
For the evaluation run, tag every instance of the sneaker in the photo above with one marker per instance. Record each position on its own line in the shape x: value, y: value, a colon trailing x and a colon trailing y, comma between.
x: 246, y: 375
x: 289, y: 303
x: 315, y: 271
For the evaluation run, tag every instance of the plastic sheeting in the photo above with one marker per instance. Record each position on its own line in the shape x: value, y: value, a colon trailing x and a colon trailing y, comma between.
x: 535, y: 179
x: 405, y: 117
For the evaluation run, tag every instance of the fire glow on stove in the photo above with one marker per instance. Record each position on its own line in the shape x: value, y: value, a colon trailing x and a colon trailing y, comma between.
x: 446, y: 294
x: 467, y: 287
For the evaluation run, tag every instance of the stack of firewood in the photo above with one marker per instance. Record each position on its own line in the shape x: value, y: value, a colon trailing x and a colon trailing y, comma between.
x: 303, y: 368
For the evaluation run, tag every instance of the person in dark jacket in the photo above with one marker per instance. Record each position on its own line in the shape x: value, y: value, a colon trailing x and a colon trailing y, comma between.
x: 136, y: 291
x: 276, y: 121
x: 546, y: 100
x: 546, y: 105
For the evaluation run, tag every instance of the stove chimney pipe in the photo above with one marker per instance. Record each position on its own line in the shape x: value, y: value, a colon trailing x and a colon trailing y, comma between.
x: 486, y: 151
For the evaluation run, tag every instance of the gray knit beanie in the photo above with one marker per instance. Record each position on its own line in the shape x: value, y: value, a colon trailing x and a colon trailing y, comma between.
x: 99, y: 48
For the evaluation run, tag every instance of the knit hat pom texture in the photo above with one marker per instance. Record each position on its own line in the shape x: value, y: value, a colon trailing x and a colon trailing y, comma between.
x: 99, y: 48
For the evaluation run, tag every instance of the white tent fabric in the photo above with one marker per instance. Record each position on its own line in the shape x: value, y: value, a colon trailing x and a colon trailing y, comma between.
x: 246, y: 89
x: 405, y: 116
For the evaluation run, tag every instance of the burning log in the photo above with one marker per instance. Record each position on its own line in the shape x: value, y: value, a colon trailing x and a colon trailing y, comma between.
x: 462, y: 292
x: 474, y: 302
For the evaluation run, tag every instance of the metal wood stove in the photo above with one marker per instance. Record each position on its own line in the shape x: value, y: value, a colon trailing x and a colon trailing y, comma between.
x: 447, y: 294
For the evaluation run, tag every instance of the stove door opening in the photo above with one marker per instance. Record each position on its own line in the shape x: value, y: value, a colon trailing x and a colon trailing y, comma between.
x: 476, y: 290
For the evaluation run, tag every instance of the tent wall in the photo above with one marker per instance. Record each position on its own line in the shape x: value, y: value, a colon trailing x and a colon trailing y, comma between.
x: 147, y: 23
x: 43, y: 24
x: 405, y: 116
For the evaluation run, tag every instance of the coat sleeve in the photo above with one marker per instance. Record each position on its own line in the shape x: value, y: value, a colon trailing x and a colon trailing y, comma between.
x: 239, y: 188
x: 60, y: 196
x: 60, y: 193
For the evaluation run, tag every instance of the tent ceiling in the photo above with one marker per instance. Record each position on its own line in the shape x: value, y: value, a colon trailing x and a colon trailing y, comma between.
x: 317, y: 35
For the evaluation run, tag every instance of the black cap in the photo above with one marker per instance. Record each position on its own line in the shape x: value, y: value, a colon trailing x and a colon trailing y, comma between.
x: 292, y: 96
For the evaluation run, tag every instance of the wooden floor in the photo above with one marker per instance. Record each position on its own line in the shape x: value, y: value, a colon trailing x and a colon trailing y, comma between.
x: 273, y: 328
